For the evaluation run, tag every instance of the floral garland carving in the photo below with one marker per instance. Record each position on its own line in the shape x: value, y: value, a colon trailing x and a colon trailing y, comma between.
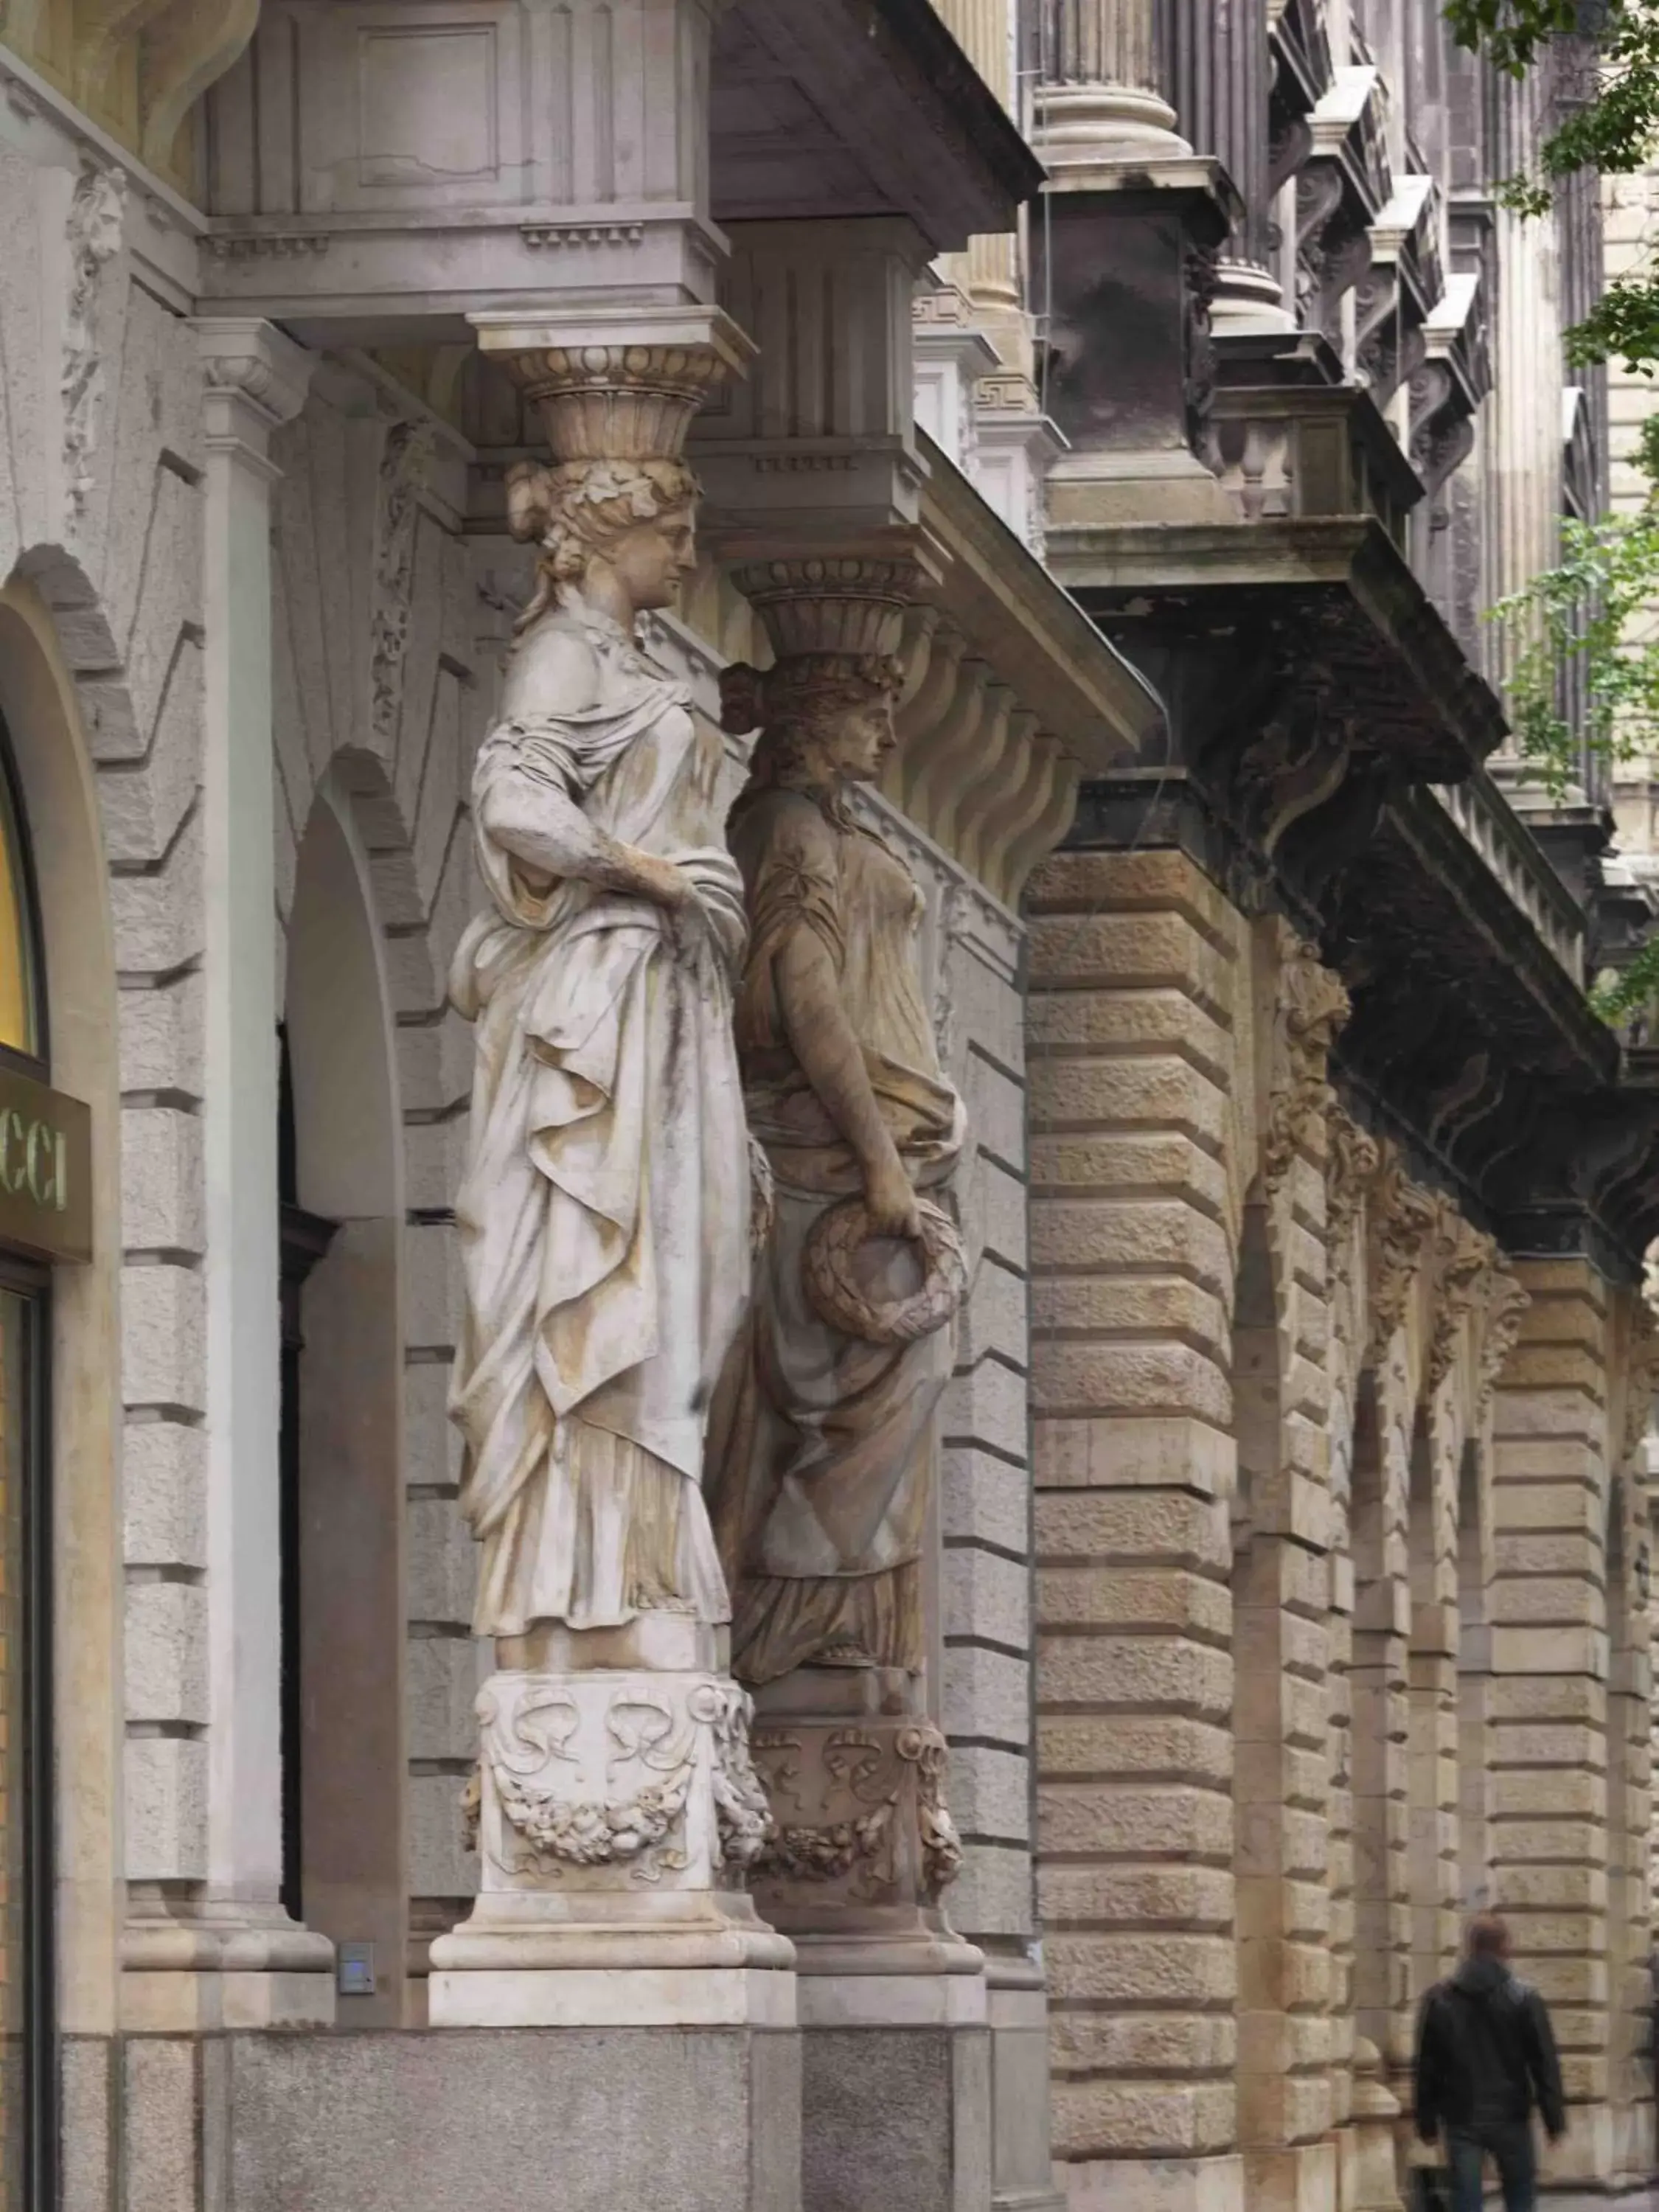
x: 742, y: 1814
x: 593, y: 1832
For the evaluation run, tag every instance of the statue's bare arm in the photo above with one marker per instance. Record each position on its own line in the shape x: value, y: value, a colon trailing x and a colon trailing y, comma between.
x: 809, y: 996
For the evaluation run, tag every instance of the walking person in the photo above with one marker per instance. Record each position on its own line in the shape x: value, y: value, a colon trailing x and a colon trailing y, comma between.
x: 1486, y: 2058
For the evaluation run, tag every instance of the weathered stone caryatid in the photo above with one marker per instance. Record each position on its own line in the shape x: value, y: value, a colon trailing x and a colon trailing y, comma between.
x: 604, y: 1224
x: 823, y: 1446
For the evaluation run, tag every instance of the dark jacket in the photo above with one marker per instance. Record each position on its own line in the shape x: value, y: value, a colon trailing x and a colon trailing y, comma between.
x: 1486, y: 2053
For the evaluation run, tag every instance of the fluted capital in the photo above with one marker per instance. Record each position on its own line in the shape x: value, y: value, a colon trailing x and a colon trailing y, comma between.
x: 617, y: 386
x: 854, y: 606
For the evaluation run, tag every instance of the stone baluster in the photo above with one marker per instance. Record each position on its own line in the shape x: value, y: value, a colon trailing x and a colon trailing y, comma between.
x: 1102, y: 84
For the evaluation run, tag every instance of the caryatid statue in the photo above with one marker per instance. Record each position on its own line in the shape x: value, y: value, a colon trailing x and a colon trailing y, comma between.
x: 823, y: 1450
x: 603, y: 1220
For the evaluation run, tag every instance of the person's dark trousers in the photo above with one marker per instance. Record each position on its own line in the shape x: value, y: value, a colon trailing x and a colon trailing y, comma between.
x: 1509, y: 2145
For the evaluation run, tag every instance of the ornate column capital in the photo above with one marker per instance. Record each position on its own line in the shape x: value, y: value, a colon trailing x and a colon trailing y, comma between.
x: 616, y: 384
x: 254, y: 380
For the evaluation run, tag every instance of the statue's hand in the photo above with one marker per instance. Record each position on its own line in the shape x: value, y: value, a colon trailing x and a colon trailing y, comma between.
x: 889, y: 1200
x: 662, y: 882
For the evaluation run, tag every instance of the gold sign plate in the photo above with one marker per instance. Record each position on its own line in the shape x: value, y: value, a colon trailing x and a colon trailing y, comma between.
x: 46, y: 1170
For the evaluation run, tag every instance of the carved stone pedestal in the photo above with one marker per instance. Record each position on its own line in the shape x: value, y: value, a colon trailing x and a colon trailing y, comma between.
x: 895, y: 2087
x: 616, y: 1812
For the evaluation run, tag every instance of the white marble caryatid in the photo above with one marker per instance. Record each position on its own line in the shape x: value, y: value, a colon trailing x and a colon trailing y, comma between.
x: 604, y: 1217
x: 603, y: 1220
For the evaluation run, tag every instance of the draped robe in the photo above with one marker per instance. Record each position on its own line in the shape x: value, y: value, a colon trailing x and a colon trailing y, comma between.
x: 604, y: 1215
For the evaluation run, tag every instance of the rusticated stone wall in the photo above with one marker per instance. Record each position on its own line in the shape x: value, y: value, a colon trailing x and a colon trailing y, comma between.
x: 1341, y: 1616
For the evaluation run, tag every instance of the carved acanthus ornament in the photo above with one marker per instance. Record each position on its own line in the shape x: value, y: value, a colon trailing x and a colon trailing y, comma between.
x: 1506, y: 1306
x: 1352, y: 1166
x: 96, y: 216
x: 1642, y: 1379
x: 405, y: 460
x: 1312, y: 1006
x: 1468, y: 1262
x: 1403, y: 1218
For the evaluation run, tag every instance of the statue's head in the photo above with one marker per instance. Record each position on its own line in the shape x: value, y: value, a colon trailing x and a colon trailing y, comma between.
x: 638, y: 518
x: 825, y: 719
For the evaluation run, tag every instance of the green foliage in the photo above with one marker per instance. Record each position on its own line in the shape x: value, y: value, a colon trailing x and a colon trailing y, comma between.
x: 1587, y: 614
x: 1575, y: 616
x: 1513, y: 32
x: 1632, y: 990
x: 1614, y: 131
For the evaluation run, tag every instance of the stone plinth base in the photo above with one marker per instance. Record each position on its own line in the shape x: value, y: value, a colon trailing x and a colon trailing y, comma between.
x: 193, y: 1977
x: 616, y: 1807
x: 1016, y: 2011
x: 895, y: 2087
x: 1156, y: 2184
x: 585, y: 2120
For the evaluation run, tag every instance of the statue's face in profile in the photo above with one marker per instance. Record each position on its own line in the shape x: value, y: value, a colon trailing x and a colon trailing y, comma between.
x: 651, y: 559
x: 860, y: 740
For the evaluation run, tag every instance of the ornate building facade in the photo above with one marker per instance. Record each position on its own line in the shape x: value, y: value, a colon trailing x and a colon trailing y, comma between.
x: 1140, y: 401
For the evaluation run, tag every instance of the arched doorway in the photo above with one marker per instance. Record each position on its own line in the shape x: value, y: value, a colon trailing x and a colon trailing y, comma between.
x: 345, y: 1749
x: 44, y: 1214
x: 60, y: 1251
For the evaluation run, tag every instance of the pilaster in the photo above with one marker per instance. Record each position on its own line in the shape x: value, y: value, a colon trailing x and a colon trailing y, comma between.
x: 1550, y: 1688
x: 1137, y: 1022
x: 230, y: 1956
